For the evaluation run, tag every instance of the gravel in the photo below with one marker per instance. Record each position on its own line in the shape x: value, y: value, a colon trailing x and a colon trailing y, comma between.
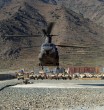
x: 50, y: 98
x: 8, y: 83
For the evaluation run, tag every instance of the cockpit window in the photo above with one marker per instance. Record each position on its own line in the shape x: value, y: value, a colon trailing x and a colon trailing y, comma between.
x: 51, y: 44
x: 46, y: 45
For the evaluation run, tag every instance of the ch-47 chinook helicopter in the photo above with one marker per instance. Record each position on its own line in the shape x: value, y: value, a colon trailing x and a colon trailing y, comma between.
x: 48, y: 55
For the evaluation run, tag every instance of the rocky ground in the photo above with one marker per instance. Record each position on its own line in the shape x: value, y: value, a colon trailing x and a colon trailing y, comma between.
x: 15, y: 98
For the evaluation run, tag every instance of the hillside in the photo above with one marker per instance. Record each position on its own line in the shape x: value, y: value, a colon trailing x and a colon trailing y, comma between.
x: 4, y: 2
x: 92, y: 9
x: 28, y: 17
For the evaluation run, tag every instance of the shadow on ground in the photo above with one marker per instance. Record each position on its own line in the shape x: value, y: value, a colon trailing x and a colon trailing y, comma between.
x: 7, y: 76
x: 92, y: 84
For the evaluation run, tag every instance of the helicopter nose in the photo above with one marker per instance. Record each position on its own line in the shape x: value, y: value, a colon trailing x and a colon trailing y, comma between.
x: 47, y: 48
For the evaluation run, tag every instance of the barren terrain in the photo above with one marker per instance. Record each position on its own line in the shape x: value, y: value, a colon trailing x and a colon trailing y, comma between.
x: 78, y: 95
x: 29, y: 17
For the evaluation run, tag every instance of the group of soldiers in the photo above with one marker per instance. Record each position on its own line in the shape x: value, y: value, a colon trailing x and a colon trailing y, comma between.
x: 26, y: 76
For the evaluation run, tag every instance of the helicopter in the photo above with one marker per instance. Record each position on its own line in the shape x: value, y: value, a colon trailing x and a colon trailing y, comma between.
x: 48, y: 55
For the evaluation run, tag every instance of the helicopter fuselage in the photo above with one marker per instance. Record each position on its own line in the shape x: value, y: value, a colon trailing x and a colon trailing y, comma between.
x: 49, y: 55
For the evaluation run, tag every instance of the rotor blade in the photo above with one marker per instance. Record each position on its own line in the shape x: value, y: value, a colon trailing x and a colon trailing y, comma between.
x: 44, y: 32
x: 49, y: 28
x: 53, y: 35
x: 73, y: 46
x: 21, y: 35
x: 28, y: 47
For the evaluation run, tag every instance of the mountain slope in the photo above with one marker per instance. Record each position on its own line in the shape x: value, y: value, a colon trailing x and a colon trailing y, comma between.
x: 92, y: 9
x: 29, y: 17
x: 4, y: 2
